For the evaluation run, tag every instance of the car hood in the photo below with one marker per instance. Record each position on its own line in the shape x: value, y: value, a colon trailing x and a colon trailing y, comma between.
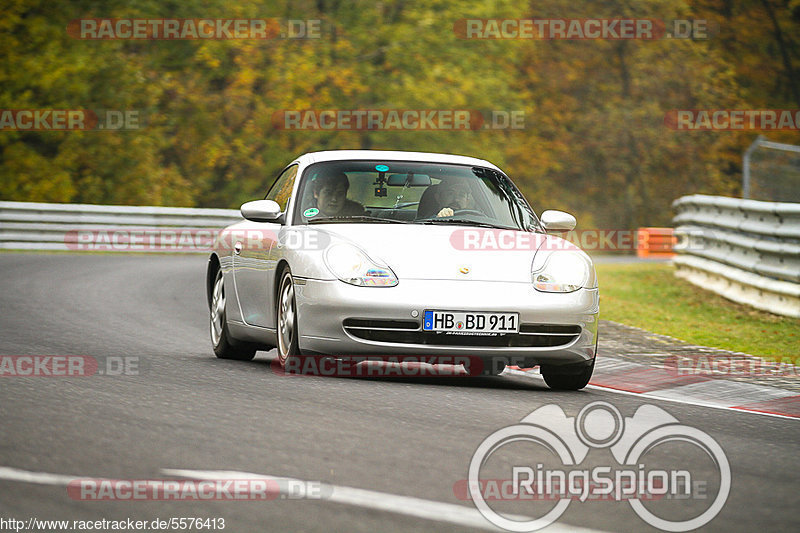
x: 416, y: 251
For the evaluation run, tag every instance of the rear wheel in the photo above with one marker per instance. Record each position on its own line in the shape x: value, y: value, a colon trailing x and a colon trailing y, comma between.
x: 288, y: 347
x: 568, y: 377
x: 224, y: 346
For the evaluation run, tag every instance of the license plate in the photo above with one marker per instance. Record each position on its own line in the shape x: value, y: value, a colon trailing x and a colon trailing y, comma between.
x: 468, y: 322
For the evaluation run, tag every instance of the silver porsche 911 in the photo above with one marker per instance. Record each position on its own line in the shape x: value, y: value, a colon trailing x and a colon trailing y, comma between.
x: 362, y: 252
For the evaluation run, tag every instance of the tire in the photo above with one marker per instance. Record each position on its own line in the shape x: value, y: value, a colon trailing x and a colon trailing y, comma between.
x: 569, y: 377
x: 287, y: 323
x: 225, y: 347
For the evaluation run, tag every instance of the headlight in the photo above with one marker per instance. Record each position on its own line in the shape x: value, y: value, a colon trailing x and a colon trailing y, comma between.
x: 353, y: 266
x: 562, y: 271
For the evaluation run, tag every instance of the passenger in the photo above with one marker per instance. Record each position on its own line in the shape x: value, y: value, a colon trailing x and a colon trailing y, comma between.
x: 330, y: 196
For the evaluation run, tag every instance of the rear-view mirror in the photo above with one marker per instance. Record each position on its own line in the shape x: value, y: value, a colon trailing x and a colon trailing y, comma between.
x: 413, y: 180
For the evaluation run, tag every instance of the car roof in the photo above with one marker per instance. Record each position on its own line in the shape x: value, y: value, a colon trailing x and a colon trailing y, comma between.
x: 392, y: 155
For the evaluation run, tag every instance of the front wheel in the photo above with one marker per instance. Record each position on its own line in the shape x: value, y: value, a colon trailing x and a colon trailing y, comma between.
x: 288, y: 347
x: 570, y: 377
x: 224, y: 346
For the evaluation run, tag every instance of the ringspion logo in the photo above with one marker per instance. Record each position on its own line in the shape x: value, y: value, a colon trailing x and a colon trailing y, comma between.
x: 547, y: 451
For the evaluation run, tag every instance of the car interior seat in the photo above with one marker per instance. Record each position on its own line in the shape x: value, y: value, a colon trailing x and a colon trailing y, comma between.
x: 428, y: 206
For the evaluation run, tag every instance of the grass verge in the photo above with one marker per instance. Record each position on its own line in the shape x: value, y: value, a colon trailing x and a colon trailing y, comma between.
x: 649, y: 296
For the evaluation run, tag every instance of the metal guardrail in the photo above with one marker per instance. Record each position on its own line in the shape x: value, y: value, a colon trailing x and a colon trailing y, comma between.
x: 745, y: 250
x: 86, y: 227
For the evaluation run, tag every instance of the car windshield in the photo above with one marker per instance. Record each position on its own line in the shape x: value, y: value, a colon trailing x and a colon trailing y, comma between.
x: 411, y: 193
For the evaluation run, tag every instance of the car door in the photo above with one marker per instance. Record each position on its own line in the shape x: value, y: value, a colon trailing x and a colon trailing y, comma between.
x: 255, y: 257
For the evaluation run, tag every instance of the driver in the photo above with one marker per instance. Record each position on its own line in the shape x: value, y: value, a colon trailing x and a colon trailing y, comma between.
x: 453, y: 195
x: 330, y: 195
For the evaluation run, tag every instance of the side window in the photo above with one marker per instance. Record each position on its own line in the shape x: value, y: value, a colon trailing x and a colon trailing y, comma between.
x: 281, y: 190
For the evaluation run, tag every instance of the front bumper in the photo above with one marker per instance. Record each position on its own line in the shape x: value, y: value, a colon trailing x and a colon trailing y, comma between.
x: 323, y: 307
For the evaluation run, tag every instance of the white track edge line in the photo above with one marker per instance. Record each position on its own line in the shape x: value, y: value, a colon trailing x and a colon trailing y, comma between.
x: 383, y: 501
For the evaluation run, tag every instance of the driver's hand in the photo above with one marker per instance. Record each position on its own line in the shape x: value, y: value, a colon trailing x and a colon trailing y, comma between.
x: 445, y: 212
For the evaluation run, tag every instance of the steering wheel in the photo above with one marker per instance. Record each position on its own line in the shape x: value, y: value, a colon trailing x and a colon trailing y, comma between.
x: 468, y: 212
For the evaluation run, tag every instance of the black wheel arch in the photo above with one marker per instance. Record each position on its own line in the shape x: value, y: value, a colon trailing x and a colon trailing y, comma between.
x: 211, y: 276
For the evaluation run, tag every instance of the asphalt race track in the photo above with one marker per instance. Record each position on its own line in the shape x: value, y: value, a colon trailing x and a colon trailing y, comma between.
x: 184, y: 410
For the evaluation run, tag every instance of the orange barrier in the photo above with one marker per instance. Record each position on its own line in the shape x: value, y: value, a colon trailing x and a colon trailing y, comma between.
x: 655, y: 242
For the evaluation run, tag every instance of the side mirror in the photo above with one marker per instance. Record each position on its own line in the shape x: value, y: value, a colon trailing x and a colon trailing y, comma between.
x: 558, y: 221
x: 261, y: 211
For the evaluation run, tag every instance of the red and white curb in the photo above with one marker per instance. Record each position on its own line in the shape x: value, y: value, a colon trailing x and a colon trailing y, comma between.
x: 619, y: 376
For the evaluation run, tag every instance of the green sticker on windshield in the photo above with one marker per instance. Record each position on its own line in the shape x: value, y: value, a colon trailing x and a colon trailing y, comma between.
x: 311, y: 212
x: 381, y: 168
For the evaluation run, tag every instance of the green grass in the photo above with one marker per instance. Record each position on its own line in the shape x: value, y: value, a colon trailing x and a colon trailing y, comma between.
x: 649, y: 296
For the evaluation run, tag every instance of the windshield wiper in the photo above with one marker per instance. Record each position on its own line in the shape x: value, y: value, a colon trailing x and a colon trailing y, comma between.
x: 462, y: 222
x: 357, y: 218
